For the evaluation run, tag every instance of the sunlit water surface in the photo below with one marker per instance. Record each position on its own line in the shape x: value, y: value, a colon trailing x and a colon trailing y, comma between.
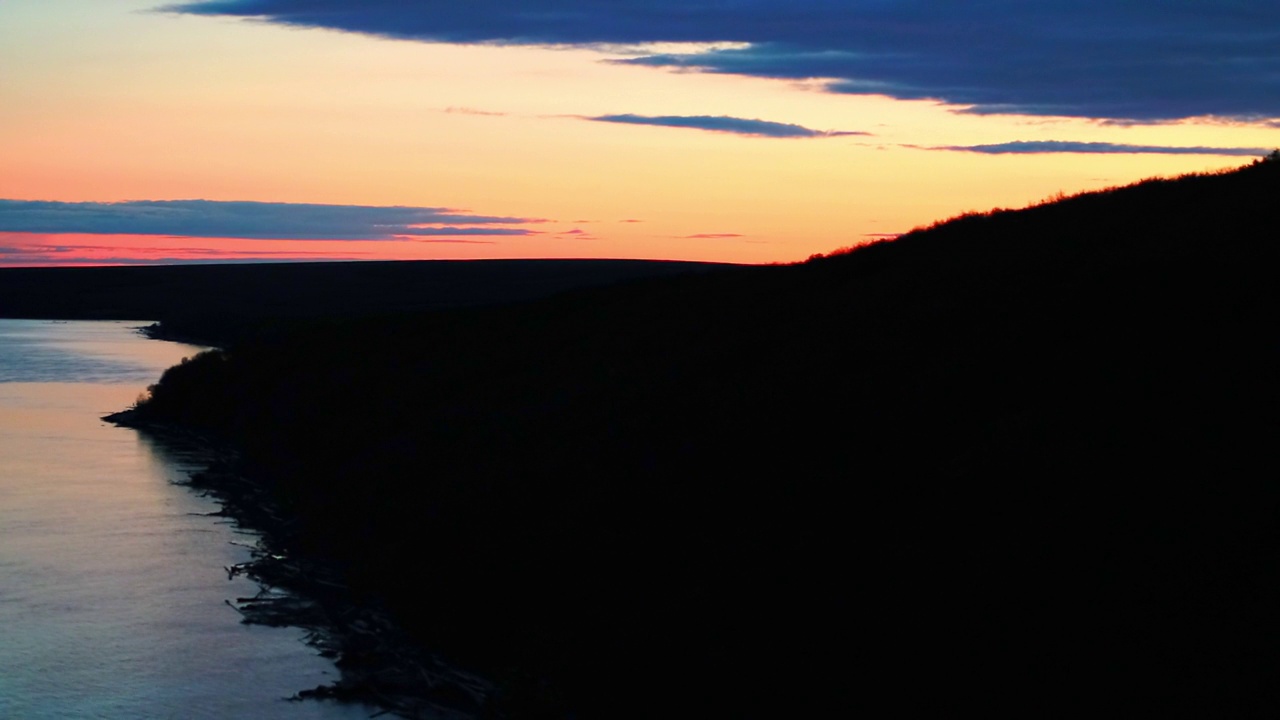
x: 112, y: 586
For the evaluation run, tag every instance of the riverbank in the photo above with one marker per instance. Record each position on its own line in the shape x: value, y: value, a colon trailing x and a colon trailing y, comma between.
x: 272, y: 303
x: 379, y: 666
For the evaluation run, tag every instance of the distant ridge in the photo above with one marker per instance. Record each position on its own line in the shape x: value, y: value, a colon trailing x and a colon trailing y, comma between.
x: 252, y: 293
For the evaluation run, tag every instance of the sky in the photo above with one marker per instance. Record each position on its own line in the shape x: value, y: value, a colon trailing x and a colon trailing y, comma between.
x: 749, y: 131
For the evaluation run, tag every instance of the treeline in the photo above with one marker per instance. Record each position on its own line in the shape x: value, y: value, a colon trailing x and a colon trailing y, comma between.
x: 1025, y: 458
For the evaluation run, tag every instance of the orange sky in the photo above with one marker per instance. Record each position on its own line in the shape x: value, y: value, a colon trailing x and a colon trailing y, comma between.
x: 107, y: 101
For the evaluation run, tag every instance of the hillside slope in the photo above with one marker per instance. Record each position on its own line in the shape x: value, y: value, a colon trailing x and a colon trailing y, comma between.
x: 1023, y: 459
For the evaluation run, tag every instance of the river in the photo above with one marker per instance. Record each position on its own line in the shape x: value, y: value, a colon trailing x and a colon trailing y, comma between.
x: 112, y: 588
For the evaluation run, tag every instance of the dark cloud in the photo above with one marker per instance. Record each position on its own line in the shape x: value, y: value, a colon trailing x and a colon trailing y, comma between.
x: 1138, y: 60
x: 1028, y: 147
x: 253, y: 220
x: 724, y: 124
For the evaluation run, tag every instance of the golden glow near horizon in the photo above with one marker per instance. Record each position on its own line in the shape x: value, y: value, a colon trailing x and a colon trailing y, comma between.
x: 109, y: 100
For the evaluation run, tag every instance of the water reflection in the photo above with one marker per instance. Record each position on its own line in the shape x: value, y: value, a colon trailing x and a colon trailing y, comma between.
x: 82, y: 352
x: 111, y: 583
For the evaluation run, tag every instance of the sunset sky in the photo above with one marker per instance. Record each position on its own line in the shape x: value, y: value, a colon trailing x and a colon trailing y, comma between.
x: 731, y: 130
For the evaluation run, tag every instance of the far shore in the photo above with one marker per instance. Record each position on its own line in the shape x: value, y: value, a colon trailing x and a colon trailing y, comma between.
x: 212, y: 304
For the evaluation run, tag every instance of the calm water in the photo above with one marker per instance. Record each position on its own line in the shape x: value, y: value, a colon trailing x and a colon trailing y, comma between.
x: 111, y: 582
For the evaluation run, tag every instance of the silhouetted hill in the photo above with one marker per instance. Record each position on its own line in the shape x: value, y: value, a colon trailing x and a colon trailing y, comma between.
x: 1024, y: 460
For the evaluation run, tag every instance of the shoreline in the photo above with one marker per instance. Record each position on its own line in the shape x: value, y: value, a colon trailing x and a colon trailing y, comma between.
x: 378, y: 666
x: 157, y: 331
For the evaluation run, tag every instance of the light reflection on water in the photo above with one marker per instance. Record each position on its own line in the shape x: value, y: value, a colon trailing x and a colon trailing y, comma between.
x: 111, y: 580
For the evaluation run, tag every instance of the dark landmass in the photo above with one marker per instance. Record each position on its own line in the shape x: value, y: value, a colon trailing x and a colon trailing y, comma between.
x: 221, y: 304
x: 1020, y: 461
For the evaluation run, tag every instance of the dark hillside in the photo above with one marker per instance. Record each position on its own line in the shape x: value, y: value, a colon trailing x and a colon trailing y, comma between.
x: 1027, y: 459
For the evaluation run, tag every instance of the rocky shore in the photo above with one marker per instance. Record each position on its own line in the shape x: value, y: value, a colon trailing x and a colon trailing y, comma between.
x: 379, y: 665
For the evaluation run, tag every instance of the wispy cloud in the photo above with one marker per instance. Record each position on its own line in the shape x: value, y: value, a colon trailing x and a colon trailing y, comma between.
x: 725, y: 124
x: 251, y: 220
x: 83, y: 254
x: 1029, y: 147
x: 446, y: 232
x: 710, y: 236
x: 1142, y: 60
x: 473, y: 111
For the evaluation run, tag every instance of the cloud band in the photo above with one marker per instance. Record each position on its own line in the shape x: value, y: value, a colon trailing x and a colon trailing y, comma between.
x: 1025, y: 147
x: 1142, y: 60
x: 248, y: 220
x: 725, y: 124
